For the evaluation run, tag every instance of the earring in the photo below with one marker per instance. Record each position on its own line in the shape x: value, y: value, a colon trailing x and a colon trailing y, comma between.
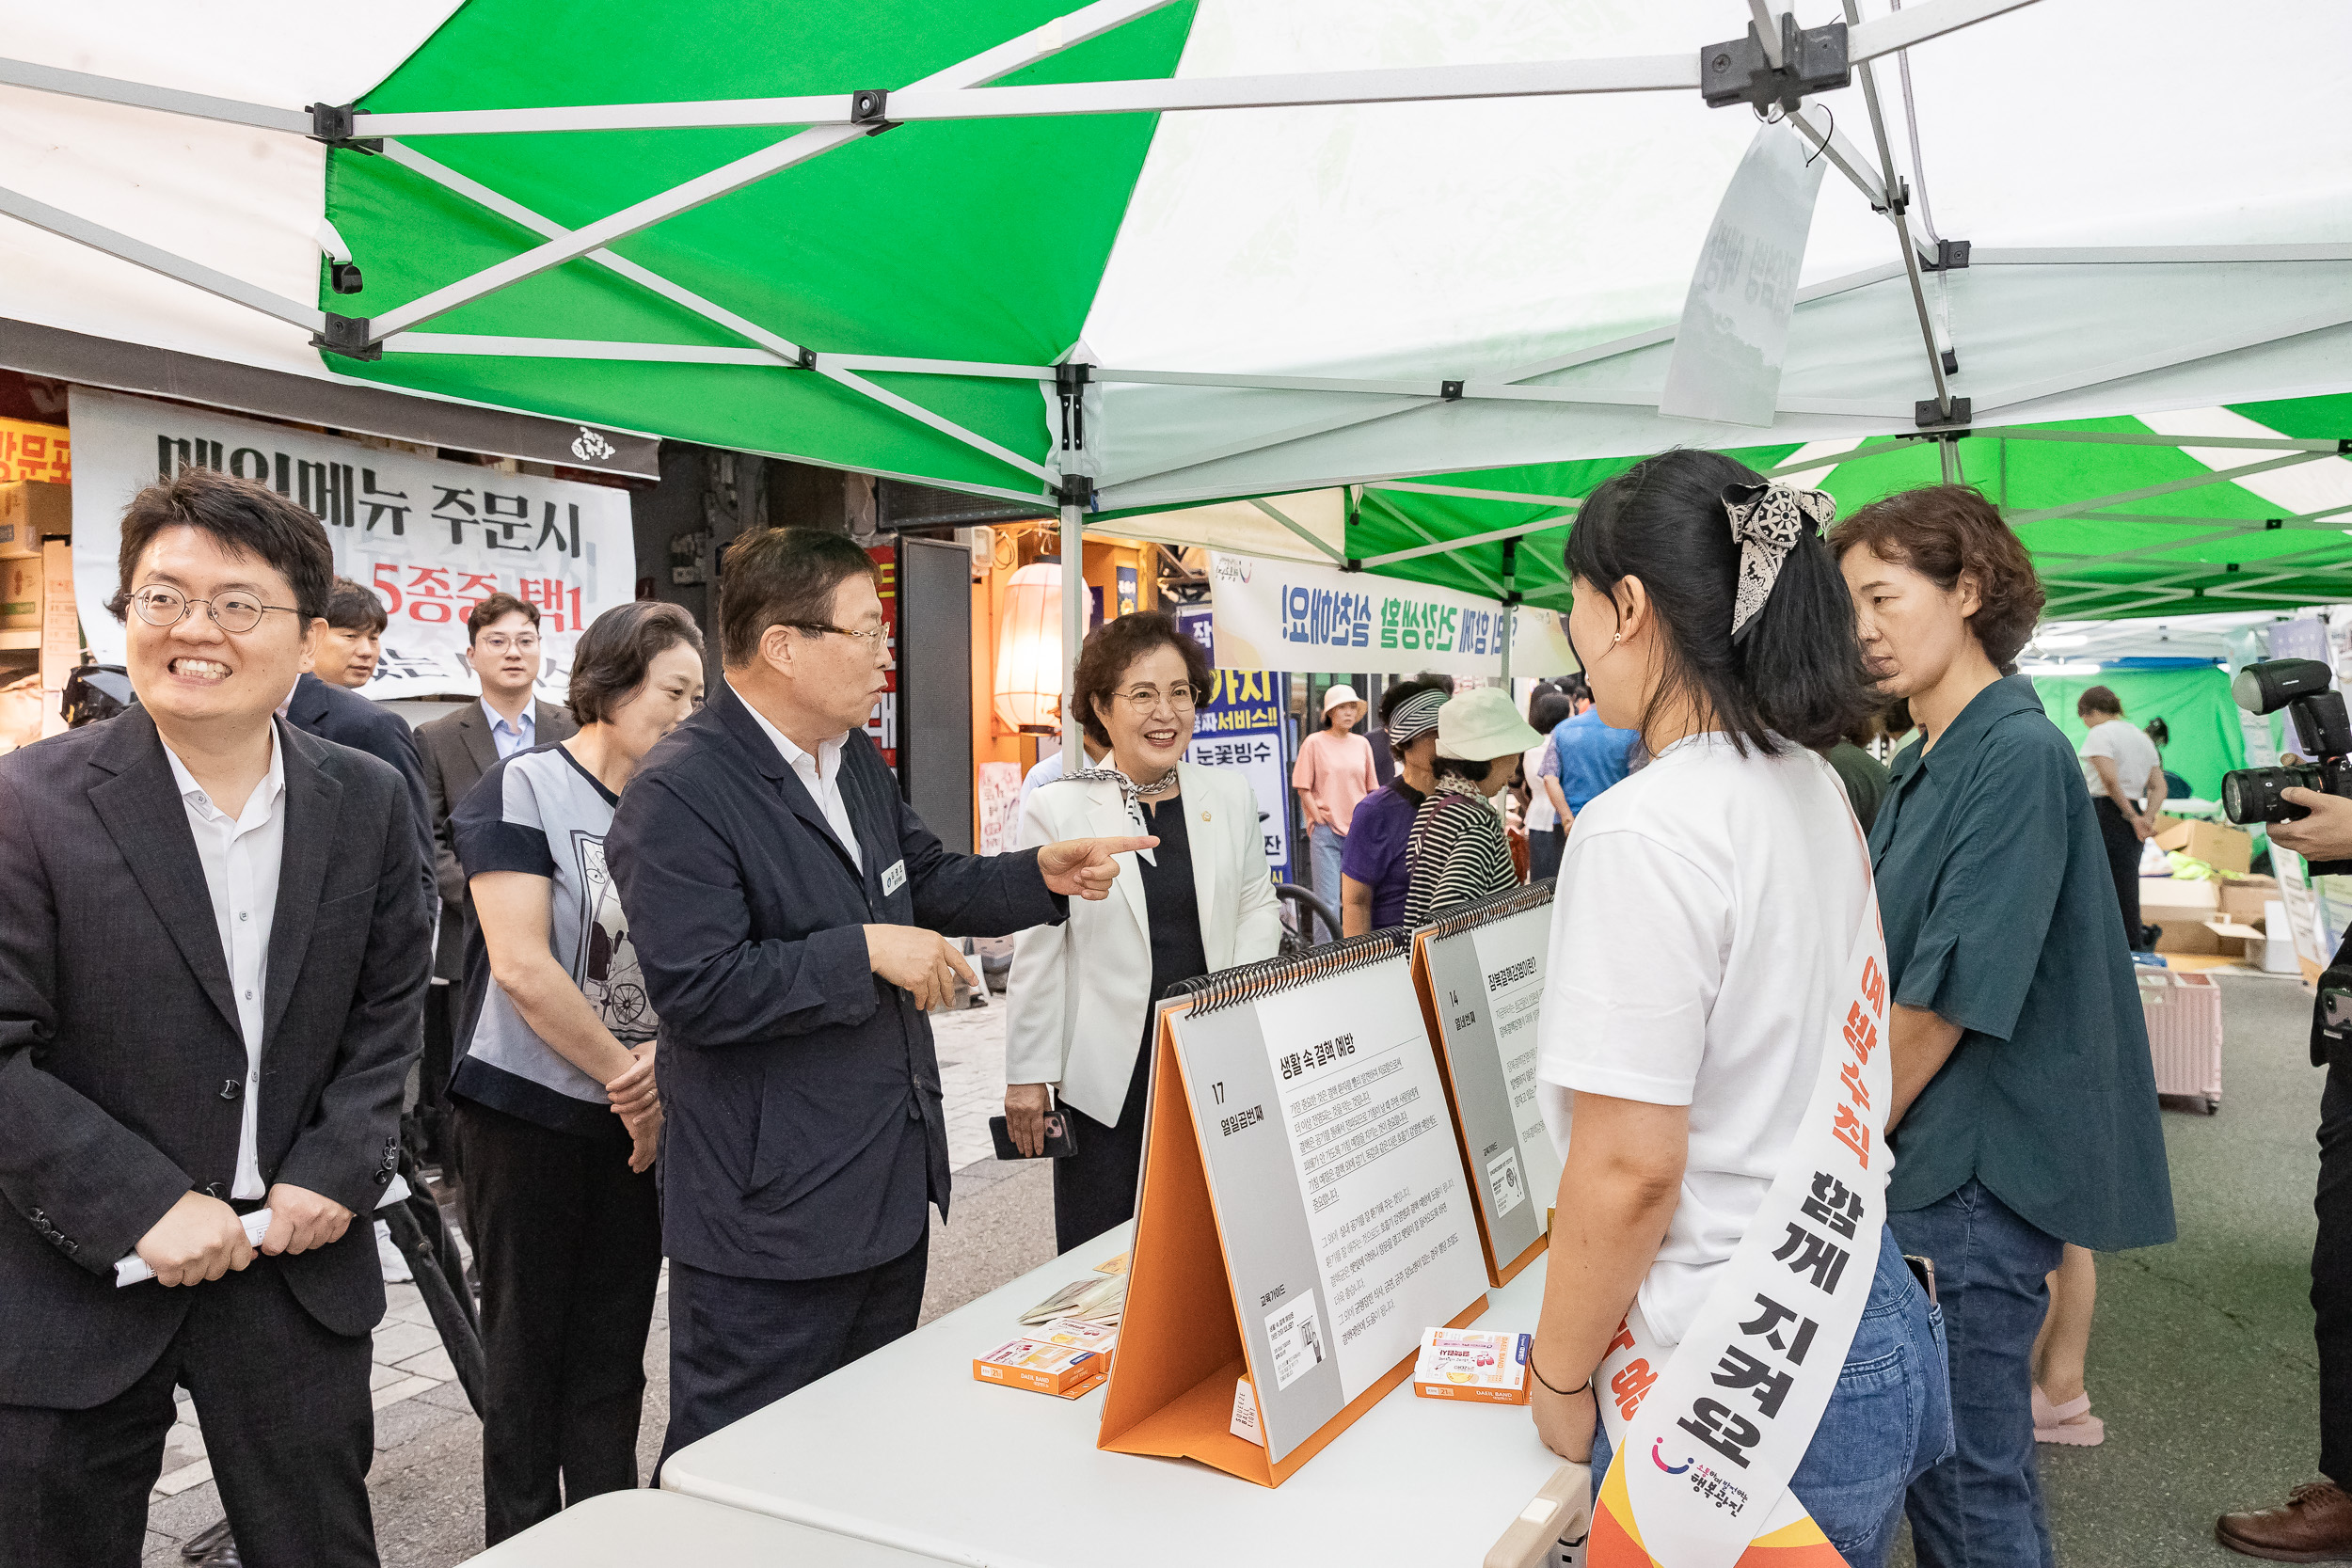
x: 1616, y: 636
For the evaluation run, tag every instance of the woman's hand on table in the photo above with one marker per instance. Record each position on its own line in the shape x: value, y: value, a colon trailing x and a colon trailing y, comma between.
x: 1565, y: 1421
x: 1025, y: 1105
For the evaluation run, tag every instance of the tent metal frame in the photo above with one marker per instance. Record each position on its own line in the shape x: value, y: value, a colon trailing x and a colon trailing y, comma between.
x: 961, y: 91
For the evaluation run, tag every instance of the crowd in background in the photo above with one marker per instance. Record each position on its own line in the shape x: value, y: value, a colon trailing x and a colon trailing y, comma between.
x: 733, y: 877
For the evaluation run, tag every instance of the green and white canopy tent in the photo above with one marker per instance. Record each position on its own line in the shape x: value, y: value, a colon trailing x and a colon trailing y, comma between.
x: 1299, y: 244
x: 2192, y: 510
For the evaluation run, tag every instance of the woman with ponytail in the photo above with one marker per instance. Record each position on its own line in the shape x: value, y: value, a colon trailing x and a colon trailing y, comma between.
x: 1713, y: 932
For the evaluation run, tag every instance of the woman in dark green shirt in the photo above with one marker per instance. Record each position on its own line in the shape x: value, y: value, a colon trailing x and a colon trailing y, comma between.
x: 2023, y: 1090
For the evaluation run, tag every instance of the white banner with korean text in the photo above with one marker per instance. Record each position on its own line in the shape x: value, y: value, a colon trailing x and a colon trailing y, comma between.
x: 1287, y: 615
x: 433, y: 538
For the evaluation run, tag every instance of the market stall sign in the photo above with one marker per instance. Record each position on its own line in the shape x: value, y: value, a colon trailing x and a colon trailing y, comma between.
x: 433, y: 538
x: 29, y: 450
x: 1287, y: 615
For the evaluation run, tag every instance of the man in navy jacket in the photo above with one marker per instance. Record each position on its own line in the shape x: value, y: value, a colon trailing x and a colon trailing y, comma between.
x: 787, y: 906
x: 335, y: 713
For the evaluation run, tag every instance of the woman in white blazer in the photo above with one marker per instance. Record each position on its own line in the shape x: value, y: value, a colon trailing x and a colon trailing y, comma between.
x: 1081, y: 1002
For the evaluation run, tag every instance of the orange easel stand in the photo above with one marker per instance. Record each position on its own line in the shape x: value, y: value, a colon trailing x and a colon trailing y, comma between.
x: 1180, y: 1343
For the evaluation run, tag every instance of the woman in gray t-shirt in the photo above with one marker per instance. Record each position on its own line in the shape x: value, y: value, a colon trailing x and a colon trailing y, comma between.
x: 557, y: 1113
x: 2121, y: 769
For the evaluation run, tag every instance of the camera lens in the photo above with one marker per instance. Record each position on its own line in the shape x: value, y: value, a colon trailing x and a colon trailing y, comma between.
x: 2254, y: 794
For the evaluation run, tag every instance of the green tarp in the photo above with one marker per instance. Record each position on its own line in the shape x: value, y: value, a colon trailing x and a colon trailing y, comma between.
x: 2204, y: 546
x: 2195, y: 705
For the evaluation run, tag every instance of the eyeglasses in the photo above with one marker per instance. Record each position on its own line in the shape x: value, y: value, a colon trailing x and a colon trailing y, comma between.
x: 872, y: 636
x: 232, y: 612
x: 498, y: 643
x: 1144, y: 700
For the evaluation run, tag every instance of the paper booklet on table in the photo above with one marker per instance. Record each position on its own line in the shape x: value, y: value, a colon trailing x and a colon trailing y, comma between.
x: 1302, y: 1216
x: 1480, y: 972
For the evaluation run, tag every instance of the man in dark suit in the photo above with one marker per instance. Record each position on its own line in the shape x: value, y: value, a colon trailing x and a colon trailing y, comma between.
x: 210, y: 972
x: 503, y: 645
x: 786, y: 907
x: 343, y: 716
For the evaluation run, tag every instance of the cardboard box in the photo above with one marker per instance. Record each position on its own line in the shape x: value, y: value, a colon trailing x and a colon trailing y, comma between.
x: 20, y: 592
x: 2218, y: 844
x: 2181, y: 908
x: 1472, y: 1364
x: 30, y: 508
x: 2244, y: 897
x: 1064, y: 1370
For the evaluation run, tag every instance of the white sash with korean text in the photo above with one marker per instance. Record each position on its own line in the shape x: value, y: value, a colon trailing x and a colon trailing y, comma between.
x: 1708, y: 1432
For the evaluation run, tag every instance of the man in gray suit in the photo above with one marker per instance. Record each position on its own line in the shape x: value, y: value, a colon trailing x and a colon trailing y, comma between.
x: 210, y: 972
x: 503, y: 645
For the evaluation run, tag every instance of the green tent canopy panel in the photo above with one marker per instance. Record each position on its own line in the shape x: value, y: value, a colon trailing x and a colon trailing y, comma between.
x: 2116, y: 529
x: 979, y: 240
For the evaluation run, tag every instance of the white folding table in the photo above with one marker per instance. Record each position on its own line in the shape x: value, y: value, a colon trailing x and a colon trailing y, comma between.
x: 906, y: 1448
x: 662, y: 1530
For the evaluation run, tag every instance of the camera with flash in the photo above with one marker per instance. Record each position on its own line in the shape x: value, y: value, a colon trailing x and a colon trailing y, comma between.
x: 2322, y: 733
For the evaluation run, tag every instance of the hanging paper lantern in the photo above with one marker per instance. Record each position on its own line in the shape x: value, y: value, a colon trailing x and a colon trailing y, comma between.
x: 1029, y: 651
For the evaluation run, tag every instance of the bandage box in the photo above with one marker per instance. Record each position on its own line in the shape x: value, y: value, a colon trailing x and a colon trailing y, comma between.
x: 1065, y: 1370
x: 1468, y: 1364
x: 1102, y: 1338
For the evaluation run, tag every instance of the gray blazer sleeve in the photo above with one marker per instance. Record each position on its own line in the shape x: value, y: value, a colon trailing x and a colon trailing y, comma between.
x: 446, y: 873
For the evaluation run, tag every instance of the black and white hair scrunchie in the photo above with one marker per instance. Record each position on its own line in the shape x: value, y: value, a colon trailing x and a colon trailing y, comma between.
x: 1767, y: 519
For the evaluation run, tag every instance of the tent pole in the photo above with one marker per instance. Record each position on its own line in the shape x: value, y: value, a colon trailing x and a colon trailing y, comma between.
x: 1510, y: 603
x: 140, y: 95
x: 2198, y: 481
x: 1073, y: 631
x: 140, y: 253
x: 1295, y: 527
x: 1003, y: 60
x: 773, y: 348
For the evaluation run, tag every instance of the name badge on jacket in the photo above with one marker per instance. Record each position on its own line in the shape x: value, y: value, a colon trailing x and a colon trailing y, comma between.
x: 894, y: 878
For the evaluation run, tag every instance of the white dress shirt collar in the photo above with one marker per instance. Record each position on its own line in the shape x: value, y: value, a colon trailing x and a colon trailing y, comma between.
x: 241, y: 856
x: 509, y: 737
x: 821, y: 773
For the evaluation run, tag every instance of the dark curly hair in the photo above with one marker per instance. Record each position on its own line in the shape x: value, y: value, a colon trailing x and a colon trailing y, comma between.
x: 1114, y: 645
x: 1943, y: 530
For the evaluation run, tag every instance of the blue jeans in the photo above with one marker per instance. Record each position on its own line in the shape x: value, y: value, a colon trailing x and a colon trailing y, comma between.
x: 1325, y: 850
x: 1889, y: 1418
x: 1981, y: 1508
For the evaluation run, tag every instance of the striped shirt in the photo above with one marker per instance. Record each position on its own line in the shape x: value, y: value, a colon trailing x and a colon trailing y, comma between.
x: 1457, y: 852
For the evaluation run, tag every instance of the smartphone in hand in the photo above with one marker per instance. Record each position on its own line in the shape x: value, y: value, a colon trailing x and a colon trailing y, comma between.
x: 1060, y: 1142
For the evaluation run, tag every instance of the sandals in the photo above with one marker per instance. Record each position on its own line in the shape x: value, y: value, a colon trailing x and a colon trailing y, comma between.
x: 2070, y: 1424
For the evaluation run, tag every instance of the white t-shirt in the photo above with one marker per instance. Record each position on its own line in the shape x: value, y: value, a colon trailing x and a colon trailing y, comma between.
x: 2128, y: 746
x: 1705, y: 909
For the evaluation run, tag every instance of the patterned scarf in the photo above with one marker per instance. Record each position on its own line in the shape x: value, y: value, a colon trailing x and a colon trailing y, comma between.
x: 1767, y: 520
x: 1129, y: 793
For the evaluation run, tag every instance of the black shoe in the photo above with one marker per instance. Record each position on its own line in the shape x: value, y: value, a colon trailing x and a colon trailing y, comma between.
x: 211, y: 1547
